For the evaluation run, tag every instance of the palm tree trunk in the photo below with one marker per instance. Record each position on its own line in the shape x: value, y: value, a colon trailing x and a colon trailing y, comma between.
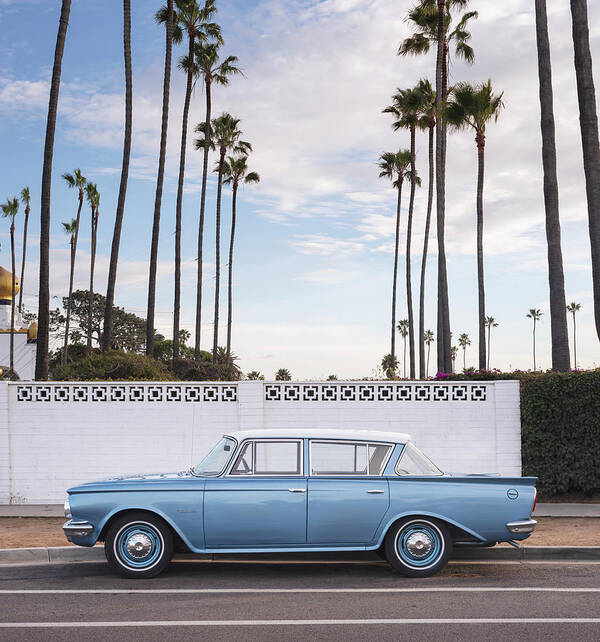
x: 218, y: 257
x: 534, y: 364
x: 184, y: 124
x: 575, y: 340
x: 229, y: 296
x: 588, y: 120
x: 201, y: 222
x: 489, y: 345
x: 159, y: 184
x: 480, y: 275
x: 427, y: 368
x: 41, y: 357
x: 411, y: 323
x: 12, y: 301
x: 425, y: 247
x: 395, y: 278
x: 91, y: 290
x: 465, y: 358
x: 114, y: 254
x: 558, y: 315
x: 66, y: 341
x: 27, y: 210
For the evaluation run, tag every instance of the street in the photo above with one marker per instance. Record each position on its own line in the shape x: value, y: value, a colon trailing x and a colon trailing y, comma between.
x: 361, y: 600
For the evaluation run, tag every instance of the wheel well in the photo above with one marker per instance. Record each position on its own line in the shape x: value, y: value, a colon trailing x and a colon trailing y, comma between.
x: 457, y: 534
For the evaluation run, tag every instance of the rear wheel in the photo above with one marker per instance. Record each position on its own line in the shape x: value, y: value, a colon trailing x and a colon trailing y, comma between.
x: 418, y: 546
x: 138, y: 545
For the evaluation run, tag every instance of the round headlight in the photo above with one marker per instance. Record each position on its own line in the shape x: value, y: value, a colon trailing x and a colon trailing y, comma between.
x: 67, y: 508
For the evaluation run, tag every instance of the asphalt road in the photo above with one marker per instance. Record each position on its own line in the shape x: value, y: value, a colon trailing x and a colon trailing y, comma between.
x: 302, y: 601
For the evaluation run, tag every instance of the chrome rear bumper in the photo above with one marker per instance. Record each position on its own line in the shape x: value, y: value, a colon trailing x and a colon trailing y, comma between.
x: 524, y: 526
x: 75, y: 528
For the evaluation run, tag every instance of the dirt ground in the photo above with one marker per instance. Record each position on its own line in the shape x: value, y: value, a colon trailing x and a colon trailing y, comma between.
x: 23, y: 532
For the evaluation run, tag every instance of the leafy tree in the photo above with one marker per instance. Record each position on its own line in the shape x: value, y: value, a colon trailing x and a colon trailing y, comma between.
x: 429, y: 338
x: 464, y: 342
x: 9, y: 210
x: 41, y: 357
x: 283, y: 375
x: 235, y: 171
x: 93, y: 197
x: 403, y: 330
x: 536, y: 316
x: 475, y: 107
x: 574, y: 308
x: 26, y: 200
x: 163, y: 348
x: 255, y: 375
x: 389, y: 364
x: 490, y: 323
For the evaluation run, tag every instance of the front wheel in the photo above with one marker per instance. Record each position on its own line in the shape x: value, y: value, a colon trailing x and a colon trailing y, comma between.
x: 138, y: 545
x: 418, y: 546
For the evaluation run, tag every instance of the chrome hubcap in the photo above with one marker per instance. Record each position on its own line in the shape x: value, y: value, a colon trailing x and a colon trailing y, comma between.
x: 139, y: 545
x: 419, y: 544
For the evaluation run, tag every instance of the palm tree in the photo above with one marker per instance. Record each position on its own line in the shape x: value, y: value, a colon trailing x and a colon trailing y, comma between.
x: 403, y: 330
x: 235, y: 170
x: 464, y: 342
x: 41, y: 357
x: 226, y: 136
x: 475, y: 107
x: 395, y: 167
x: 574, y: 308
x: 116, y: 240
x: 588, y: 119
x: 71, y: 230
x: 453, y: 354
x: 406, y: 108
x: 283, y: 375
x: 558, y: 318
x: 255, y: 375
x: 536, y: 315
x: 165, y: 15
x: 432, y: 23
x: 194, y: 20
x: 9, y: 210
x: 429, y: 338
x: 389, y: 364
x: 490, y: 323
x: 25, y: 199
x: 93, y: 197
x: 213, y: 71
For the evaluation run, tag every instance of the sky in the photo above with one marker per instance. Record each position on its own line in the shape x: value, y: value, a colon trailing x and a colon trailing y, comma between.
x: 314, y: 240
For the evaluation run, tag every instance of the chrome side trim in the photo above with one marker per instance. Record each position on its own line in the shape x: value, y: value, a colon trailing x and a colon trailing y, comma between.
x: 77, y: 528
x: 523, y: 526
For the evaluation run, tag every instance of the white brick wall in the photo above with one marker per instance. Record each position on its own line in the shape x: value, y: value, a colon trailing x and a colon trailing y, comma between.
x: 53, y: 436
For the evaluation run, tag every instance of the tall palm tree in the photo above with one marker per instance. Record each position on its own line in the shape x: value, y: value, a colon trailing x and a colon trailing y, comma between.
x: 213, y: 71
x: 490, y: 323
x: 574, y: 308
x: 116, y: 240
x: 235, y: 171
x: 26, y: 200
x: 588, y: 120
x: 41, y: 357
x: 429, y: 338
x: 9, y: 210
x: 225, y: 136
x: 395, y: 166
x: 432, y: 23
x: 454, y: 354
x: 71, y: 230
x: 558, y: 317
x: 389, y: 364
x: 93, y: 197
x: 194, y: 20
x: 536, y: 315
x: 406, y: 108
x: 403, y: 330
x: 475, y: 107
x: 464, y: 342
x: 165, y: 15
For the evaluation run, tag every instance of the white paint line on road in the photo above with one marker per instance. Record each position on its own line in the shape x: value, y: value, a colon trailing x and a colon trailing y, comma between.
x: 433, y: 589
x: 230, y: 623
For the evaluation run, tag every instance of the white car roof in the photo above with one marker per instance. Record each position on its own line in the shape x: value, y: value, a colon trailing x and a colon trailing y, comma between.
x: 315, y: 433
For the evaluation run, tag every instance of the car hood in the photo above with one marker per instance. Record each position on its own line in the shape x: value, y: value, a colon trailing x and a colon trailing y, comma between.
x: 127, y: 480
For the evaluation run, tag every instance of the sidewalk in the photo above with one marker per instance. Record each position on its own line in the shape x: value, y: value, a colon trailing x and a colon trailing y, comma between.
x: 542, y: 510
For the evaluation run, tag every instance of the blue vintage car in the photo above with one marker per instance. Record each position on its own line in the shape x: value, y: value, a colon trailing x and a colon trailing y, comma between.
x: 309, y: 490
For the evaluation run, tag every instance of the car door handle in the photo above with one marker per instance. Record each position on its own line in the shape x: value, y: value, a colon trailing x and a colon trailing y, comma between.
x: 375, y: 492
x: 297, y: 490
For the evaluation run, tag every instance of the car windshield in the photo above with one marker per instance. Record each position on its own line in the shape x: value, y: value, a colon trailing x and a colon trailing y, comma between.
x: 214, y: 463
x: 414, y: 462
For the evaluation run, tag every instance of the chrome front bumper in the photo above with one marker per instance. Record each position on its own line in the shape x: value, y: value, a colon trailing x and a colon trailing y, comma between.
x: 76, y: 528
x: 524, y: 526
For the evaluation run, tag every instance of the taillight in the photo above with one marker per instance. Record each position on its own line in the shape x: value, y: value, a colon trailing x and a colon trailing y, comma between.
x: 534, y: 502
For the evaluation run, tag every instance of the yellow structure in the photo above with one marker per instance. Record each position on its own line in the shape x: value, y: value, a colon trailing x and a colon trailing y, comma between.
x: 6, y: 285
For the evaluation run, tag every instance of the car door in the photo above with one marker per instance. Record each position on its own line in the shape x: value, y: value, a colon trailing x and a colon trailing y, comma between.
x: 346, y: 502
x: 261, y: 502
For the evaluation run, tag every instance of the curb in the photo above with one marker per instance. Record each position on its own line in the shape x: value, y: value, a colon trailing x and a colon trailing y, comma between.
x: 69, y: 554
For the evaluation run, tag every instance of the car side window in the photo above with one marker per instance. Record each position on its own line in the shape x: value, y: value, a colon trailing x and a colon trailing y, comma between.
x: 347, y: 458
x: 243, y: 464
x: 269, y: 458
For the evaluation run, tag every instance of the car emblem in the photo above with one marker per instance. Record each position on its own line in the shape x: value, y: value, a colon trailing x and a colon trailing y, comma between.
x: 512, y: 493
